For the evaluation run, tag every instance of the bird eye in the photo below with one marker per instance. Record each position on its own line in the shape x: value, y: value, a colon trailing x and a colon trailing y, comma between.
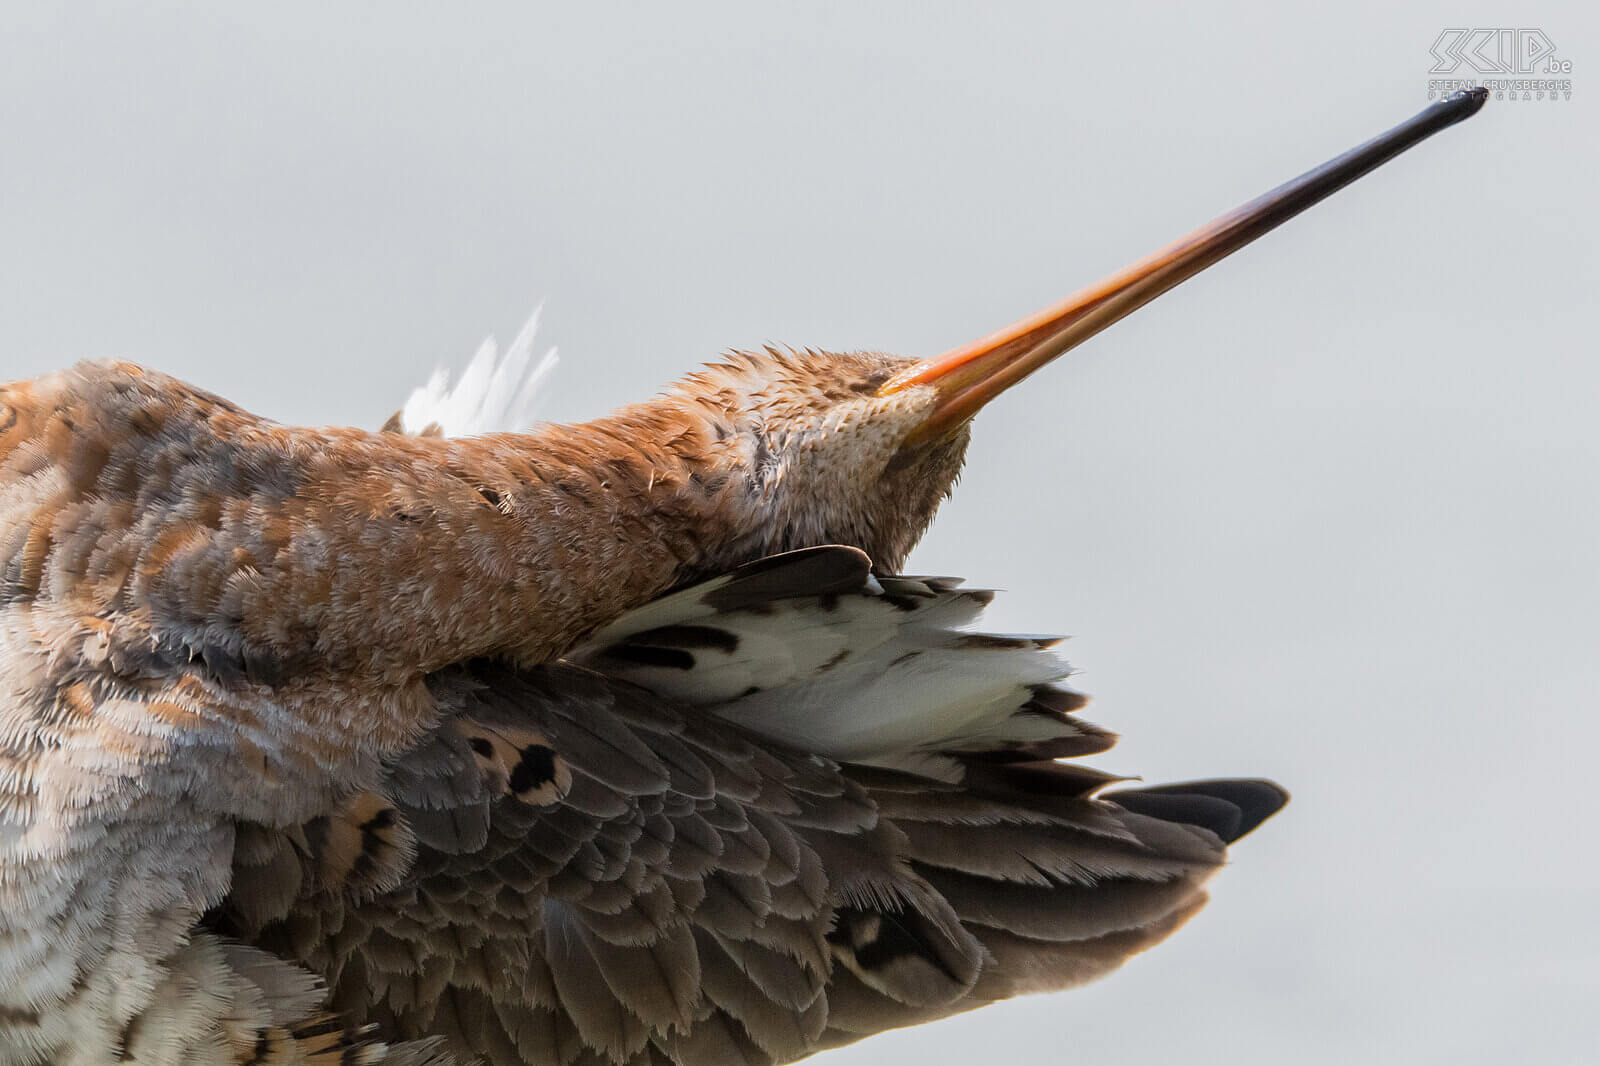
x: 871, y: 383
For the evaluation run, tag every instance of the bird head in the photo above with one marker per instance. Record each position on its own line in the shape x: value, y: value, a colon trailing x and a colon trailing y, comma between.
x: 861, y: 448
x: 819, y: 450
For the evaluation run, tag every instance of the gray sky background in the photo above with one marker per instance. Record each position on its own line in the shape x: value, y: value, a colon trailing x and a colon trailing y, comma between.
x: 1327, y: 513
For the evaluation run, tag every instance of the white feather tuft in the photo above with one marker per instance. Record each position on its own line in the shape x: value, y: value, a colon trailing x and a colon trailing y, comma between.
x: 495, y: 393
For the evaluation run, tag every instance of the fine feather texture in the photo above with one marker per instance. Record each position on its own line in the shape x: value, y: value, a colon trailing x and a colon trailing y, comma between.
x: 702, y: 896
x: 322, y: 746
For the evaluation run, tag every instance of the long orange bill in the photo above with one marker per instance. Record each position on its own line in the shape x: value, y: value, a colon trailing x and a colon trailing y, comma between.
x: 970, y: 376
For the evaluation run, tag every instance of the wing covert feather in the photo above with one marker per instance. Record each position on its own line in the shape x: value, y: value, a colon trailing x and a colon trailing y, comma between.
x: 607, y: 874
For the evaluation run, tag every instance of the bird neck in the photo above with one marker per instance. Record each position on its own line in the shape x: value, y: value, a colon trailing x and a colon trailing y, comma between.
x: 606, y: 516
x: 512, y: 545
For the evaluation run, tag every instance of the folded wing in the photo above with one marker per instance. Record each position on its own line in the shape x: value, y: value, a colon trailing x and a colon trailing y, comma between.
x: 692, y: 844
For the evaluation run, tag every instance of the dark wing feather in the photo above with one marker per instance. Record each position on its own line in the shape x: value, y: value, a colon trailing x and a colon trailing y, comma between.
x: 577, y: 870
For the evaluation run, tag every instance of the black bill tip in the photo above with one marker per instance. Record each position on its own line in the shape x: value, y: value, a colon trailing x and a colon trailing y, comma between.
x: 1465, y: 103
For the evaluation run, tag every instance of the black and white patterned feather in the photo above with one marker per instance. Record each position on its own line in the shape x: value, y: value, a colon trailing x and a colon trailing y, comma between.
x: 812, y: 650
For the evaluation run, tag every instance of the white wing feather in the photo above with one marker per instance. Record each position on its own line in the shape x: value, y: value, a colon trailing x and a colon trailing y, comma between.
x: 495, y: 393
x: 890, y: 674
